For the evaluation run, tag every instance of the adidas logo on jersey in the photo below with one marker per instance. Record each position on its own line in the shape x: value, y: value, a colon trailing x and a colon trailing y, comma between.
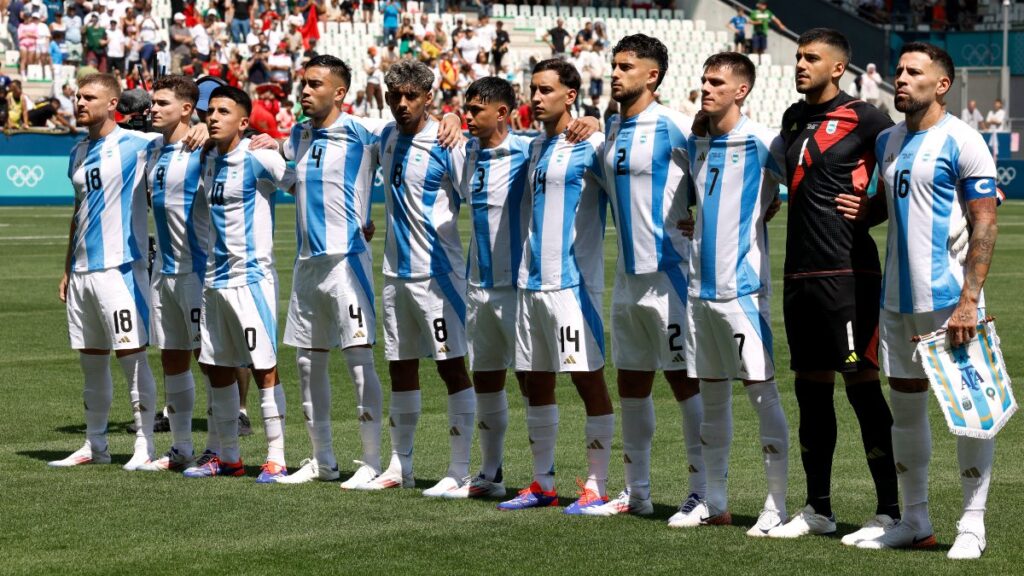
x: 702, y: 156
x: 359, y: 334
x: 595, y: 445
x: 124, y: 340
x: 443, y: 349
x: 890, y: 158
x: 569, y: 360
x: 678, y: 358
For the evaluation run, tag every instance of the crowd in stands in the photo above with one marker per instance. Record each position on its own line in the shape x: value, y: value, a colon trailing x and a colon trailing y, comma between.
x: 939, y: 15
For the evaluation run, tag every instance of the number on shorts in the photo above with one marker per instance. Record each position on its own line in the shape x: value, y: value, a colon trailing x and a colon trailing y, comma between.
x: 740, y: 340
x: 317, y: 153
x: 673, y: 338
x: 93, y: 183
x: 250, y: 338
x: 196, y: 315
x: 356, y: 313
x: 217, y: 198
x: 122, y: 321
x: 440, y: 330
x: 568, y: 334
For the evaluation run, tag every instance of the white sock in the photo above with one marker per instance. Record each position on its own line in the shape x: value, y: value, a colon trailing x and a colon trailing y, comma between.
x: 212, y: 438
x: 716, y: 435
x: 975, y: 457
x: 225, y: 411
x: 764, y: 397
x: 542, y: 425
x: 97, y: 396
x: 272, y: 405
x: 315, y: 390
x: 912, y: 450
x: 599, y: 432
x: 142, y: 390
x: 492, y: 422
x: 180, y: 392
x: 461, y: 411
x: 692, y: 410
x: 637, y: 434
x: 369, y: 399
x: 405, y: 414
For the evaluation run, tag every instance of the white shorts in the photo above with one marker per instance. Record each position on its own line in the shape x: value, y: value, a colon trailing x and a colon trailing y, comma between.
x: 331, y: 304
x: 239, y: 326
x: 424, y: 318
x: 649, y: 323
x: 491, y: 328
x: 895, y: 334
x: 559, y: 331
x: 109, y: 309
x: 730, y: 339
x: 177, y: 311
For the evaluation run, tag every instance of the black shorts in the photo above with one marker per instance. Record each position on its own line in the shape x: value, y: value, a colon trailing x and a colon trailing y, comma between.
x: 832, y: 322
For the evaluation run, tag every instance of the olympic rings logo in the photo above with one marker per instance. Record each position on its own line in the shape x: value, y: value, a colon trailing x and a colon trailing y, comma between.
x: 22, y: 176
x: 1006, y: 175
x: 981, y: 54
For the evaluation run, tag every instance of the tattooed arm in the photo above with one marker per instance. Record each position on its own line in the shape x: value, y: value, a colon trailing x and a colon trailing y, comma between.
x: 982, y: 215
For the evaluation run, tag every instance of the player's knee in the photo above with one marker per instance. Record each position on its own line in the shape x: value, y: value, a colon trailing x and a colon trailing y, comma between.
x: 175, y: 361
x: 908, y: 385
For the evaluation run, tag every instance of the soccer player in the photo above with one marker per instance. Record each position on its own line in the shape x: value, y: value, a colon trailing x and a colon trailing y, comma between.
x: 832, y: 283
x: 105, y: 277
x: 735, y: 180
x: 644, y: 171
x: 559, y: 327
x: 424, y: 309
x: 238, y: 326
x: 933, y: 168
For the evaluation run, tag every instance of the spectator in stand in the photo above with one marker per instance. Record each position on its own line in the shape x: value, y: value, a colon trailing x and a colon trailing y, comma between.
x: 449, y: 76
x: 481, y: 68
x: 594, y: 64
x: 501, y: 44
x: 241, y: 19
x: 181, y: 43
x: 360, y: 106
x: 258, y: 72
x: 17, y: 106
x: 593, y: 109
x: 870, y: 86
x: 421, y: 27
x: 762, y: 19
x: 374, y: 78
x: 485, y: 7
x: 690, y: 106
x: 280, y: 65
x: 73, y: 29
x: 14, y: 12
x: 116, y: 44
x: 585, y: 37
x: 522, y: 119
x: 972, y: 116
x: 556, y: 37
x: 148, y: 27
x: 738, y: 25
x: 995, y: 121
x: 27, y: 32
x: 392, y: 12
x: 201, y: 40
x: 429, y: 49
x: 96, y: 42
x: 440, y: 36
x: 407, y: 44
x: 469, y: 47
x: 600, y: 36
x: 940, y: 20
x: 58, y: 28
x: 485, y: 33
x: 285, y: 117
x: 43, y: 38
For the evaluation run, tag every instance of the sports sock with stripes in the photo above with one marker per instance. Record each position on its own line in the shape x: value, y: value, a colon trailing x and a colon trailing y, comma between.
x: 599, y: 432
x: 369, y: 400
x: 692, y: 410
x: 542, y: 425
x: 912, y: 451
x: 637, y: 435
x: 492, y: 422
x: 716, y: 434
x: 97, y: 396
x: 180, y: 392
x: 315, y: 392
x: 405, y: 414
x: 875, y: 419
x: 225, y: 411
x: 142, y: 390
x: 817, y: 440
x: 764, y: 397
x: 461, y: 413
x: 975, y: 457
x: 272, y: 407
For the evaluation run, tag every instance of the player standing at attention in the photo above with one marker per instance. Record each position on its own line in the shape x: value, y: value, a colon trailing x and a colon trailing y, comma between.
x: 735, y: 179
x: 558, y: 323
x: 934, y: 168
x: 832, y: 283
x: 424, y: 310
x: 644, y: 171
x: 105, y: 278
x: 239, y: 319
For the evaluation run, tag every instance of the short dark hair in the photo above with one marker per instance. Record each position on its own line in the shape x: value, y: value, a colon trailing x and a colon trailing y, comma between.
x: 334, y: 65
x: 938, y: 55
x: 828, y: 37
x: 183, y: 87
x: 568, y: 75
x: 648, y: 48
x: 236, y: 95
x: 738, y: 63
x: 108, y: 81
x: 492, y: 89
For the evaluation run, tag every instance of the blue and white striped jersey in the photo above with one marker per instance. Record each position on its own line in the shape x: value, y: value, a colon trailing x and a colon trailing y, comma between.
x: 179, y: 209
x: 333, y: 180
x: 109, y: 177
x: 928, y: 176
x: 564, y: 247
x: 495, y: 187
x: 735, y: 178
x: 644, y: 171
x: 421, y: 183
x: 239, y: 189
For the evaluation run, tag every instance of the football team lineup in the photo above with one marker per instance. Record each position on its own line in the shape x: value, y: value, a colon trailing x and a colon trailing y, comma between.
x: 691, y: 202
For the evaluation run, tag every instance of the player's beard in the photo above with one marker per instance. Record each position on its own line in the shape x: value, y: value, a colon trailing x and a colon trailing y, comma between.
x: 910, y: 105
x: 629, y: 95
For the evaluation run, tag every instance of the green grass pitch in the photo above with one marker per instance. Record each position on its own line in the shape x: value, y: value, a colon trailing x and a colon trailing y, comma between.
x: 102, y: 520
